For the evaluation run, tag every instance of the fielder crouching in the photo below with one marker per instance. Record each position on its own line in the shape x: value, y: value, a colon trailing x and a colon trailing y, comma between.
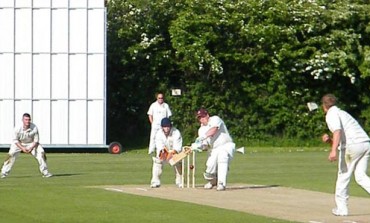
x: 214, y: 134
x: 25, y: 139
x: 167, y: 142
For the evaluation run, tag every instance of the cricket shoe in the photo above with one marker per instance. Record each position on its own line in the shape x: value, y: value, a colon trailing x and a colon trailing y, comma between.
x: 336, y: 212
x: 47, y: 175
x: 209, y: 185
x: 3, y: 175
x: 154, y: 185
x: 220, y: 187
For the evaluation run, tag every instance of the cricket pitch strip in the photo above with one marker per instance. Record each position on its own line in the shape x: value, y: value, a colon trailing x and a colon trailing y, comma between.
x: 265, y: 200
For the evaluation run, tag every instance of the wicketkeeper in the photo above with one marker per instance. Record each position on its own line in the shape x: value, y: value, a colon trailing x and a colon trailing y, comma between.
x: 168, y: 141
x: 214, y: 135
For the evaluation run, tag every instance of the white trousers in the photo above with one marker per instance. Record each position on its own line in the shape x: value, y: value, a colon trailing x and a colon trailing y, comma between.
x: 218, y: 161
x: 352, y: 159
x: 157, y: 172
x: 153, y: 132
x: 14, y: 152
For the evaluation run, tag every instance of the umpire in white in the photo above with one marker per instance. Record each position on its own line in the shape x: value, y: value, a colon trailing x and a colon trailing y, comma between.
x: 157, y: 111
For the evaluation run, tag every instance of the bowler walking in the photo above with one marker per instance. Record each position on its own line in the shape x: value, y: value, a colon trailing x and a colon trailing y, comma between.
x: 352, y: 143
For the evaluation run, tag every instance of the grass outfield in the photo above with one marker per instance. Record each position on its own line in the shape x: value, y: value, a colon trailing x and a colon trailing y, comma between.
x: 68, y: 197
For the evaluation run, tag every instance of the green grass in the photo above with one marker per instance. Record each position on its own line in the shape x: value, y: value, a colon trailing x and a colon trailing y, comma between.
x: 67, y: 197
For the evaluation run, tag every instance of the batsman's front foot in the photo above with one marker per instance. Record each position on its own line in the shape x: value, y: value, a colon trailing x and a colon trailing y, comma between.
x: 221, y: 187
x: 47, y: 175
x: 337, y: 212
x: 3, y: 175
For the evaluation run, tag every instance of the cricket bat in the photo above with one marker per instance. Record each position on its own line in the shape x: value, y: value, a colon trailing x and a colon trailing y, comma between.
x: 186, y: 150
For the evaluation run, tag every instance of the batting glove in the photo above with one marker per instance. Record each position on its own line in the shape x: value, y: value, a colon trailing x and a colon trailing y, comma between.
x: 196, y: 147
x: 200, y: 139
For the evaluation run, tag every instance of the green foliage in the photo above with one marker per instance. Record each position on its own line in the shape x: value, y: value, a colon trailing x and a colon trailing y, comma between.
x: 254, y: 63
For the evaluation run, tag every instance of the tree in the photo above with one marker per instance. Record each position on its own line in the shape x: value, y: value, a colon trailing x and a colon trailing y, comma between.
x: 254, y: 63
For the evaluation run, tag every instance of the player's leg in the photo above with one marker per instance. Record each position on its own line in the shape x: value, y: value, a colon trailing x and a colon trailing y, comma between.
x: 178, y: 173
x: 223, y: 167
x: 12, y: 155
x: 40, y: 156
x: 224, y: 157
x: 342, y: 184
x: 360, y: 172
x: 211, y: 169
x: 156, y: 173
x: 153, y: 132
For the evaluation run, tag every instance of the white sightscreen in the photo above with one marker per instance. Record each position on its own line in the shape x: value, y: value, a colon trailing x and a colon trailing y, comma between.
x: 7, y: 76
x: 6, y: 120
x: 7, y: 26
x: 52, y: 60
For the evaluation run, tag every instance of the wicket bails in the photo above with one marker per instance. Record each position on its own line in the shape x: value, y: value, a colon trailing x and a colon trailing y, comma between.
x: 189, y: 162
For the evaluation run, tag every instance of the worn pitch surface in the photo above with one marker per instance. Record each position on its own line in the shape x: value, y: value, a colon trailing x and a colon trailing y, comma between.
x: 266, y: 200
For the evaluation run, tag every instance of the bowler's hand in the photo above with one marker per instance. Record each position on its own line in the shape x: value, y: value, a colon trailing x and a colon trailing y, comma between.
x: 326, y: 138
x: 332, y: 156
x: 25, y: 149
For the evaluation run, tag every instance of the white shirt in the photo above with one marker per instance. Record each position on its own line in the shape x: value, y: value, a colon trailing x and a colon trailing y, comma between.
x: 222, y: 135
x: 159, y: 111
x: 352, y: 132
x: 26, y: 135
x: 202, y: 133
x: 172, y: 141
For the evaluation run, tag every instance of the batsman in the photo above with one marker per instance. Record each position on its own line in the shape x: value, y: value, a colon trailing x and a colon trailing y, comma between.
x: 168, y: 142
x: 213, y: 134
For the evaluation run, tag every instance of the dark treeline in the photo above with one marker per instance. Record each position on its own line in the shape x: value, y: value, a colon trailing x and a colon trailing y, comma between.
x: 254, y: 63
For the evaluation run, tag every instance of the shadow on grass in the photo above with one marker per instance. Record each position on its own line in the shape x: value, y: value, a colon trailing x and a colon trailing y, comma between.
x: 54, y: 175
x: 251, y: 187
x: 244, y: 187
x: 66, y: 174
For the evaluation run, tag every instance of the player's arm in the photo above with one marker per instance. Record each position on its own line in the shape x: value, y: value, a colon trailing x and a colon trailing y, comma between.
x: 334, y: 145
x: 177, y: 142
x: 150, y: 118
x: 211, y: 132
x: 159, y: 142
x: 326, y: 139
x: 23, y: 148
x: 150, y: 113
x: 17, y: 142
x: 215, y: 124
x: 169, y: 112
x: 35, y: 143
